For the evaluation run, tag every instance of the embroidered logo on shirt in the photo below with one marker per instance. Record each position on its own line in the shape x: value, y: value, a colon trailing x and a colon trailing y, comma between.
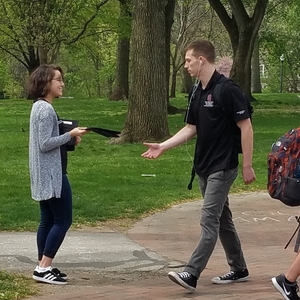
x: 241, y: 112
x: 209, y: 102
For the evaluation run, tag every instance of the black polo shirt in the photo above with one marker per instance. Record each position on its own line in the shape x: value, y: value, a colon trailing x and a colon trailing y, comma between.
x: 216, y: 126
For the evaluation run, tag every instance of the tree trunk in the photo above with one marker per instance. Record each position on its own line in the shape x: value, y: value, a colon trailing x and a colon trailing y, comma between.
x: 187, y: 81
x: 97, y: 65
x: 43, y: 55
x: 173, y: 83
x: 256, y: 83
x: 242, y: 55
x: 98, y: 90
x: 121, y: 88
x: 147, y: 104
x: 169, y: 19
x: 32, y: 59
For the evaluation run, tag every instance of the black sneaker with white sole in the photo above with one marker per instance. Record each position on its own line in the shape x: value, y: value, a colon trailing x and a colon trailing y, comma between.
x: 184, y: 279
x: 48, y: 277
x: 232, y: 276
x: 59, y: 273
x: 288, y: 291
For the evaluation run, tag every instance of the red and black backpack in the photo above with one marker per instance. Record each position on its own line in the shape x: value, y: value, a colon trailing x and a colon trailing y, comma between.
x: 282, y: 163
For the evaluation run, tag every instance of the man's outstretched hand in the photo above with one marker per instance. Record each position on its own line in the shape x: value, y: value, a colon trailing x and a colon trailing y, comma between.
x: 154, y: 151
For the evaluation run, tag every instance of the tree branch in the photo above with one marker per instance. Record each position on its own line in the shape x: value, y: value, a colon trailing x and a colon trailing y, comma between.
x: 239, y: 11
x: 87, y: 22
x: 222, y: 13
x: 13, y: 55
x: 259, y: 12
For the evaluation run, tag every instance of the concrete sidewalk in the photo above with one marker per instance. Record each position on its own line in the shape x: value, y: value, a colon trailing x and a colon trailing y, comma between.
x: 113, y: 266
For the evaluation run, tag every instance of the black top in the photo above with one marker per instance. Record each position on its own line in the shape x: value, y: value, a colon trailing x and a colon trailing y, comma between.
x: 63, y: 149
x: 215, y: 146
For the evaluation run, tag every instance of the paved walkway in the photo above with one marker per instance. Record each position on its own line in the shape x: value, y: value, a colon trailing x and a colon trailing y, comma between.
x: 162, y: 242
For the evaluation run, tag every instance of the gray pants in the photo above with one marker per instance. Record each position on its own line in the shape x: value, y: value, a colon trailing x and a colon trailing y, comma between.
x: 216, y: 219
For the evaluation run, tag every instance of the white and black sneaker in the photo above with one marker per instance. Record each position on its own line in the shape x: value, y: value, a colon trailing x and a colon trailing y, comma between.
x: 287, y: 290
x: 232, y: 276
x: 59, y: 273
x: 48, y: 277
x: 184, y: 279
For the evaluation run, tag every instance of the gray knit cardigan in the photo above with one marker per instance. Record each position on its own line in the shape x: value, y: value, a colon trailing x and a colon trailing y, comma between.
x: 44, y: 152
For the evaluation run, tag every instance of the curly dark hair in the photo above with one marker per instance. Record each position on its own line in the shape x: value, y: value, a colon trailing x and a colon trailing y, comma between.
x: 40, y: 79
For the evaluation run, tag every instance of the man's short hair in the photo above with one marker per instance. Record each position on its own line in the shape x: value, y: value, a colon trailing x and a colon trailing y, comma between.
x: 203, y: 48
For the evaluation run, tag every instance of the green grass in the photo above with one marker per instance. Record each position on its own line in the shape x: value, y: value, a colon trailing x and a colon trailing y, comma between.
x: 14, y: 287
x: 106, y: 179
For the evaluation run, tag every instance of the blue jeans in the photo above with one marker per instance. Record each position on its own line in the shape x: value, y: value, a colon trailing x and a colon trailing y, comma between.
x: 56, y: 219
x: 216, y: 220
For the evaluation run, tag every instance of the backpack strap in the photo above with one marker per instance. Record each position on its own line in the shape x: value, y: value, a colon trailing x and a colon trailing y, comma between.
x: 217, y: 89
x: 193, y: 174
x: 217, y: 94
x: 297, y: 244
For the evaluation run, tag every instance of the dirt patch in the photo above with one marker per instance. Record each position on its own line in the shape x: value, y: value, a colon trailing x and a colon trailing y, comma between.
x: 121, y: 225
x: 79, y: 280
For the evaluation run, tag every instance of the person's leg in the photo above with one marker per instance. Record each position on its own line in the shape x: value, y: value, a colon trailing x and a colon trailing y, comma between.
x: 294, y: 270
x: 61, y: 209
x: 216, y: 188
x: 46, y: 223
x: 62, y: 212
x: 233, y: 250
x: 230, y: 241
x: 286, y: 284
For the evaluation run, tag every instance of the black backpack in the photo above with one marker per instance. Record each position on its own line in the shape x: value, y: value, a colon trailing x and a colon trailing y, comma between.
x: 216, y: 96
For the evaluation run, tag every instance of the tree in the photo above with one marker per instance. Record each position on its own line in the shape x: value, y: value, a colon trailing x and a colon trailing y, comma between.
x: 279, y: 36
x: 89, y: 64
x: 169, y: 20
x: 121, y: 86
x: 147, y: 104
x: 255, y: 73
x: 194, y: 20
x: 188, y: 15
x: 242, y: 30
x: 33, y: 31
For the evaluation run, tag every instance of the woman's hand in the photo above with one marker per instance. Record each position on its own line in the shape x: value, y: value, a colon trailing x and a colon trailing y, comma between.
x: 78, y: 131
x: 77, y: 140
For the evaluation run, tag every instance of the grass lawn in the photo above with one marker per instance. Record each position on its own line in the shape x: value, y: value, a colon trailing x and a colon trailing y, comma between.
x: 15, y: 287
x: 106, y: 179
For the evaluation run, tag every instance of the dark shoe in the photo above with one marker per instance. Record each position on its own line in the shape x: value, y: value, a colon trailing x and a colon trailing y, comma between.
x: 48, y: 277
x: 288, y: 291
x: 232, y: 276
x: 185, y: 279
x: 59, y: 273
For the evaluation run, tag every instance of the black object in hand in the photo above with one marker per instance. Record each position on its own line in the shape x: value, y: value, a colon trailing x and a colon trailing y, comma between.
x: 104, y: 132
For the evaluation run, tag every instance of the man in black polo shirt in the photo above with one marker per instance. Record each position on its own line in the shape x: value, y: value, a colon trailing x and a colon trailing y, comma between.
x: 215, y: 162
